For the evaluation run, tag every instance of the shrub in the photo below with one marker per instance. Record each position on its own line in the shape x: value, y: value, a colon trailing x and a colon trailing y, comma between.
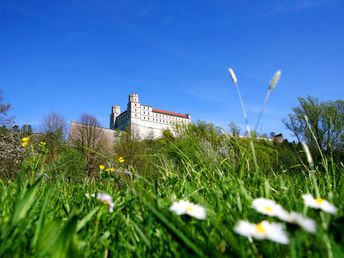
x: 11, y: 152
x: 70, y: 164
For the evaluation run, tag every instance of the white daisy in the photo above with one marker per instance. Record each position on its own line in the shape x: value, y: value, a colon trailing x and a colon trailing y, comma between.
x: 263, y: 230
x: 270, y: 208
x: 184, y: 207
x: 319, y: 203
x: 306, y: 223
x: 107, y: 200
x: 88, y: 196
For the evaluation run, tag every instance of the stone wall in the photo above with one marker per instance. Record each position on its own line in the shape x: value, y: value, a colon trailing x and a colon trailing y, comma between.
x: 105, y: 136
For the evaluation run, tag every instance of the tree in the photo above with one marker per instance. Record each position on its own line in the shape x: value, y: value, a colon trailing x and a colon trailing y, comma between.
x: 88, y: 136
x: 54, y: 123
x: 203, y: 130
x: 317, y: 122
x: 54, y: 128
x: 254, y: 134
x: 272, y: 134
x: 90, y: 132
x: 5, y: 120
x: 234, y: 129
x: 26, y: 129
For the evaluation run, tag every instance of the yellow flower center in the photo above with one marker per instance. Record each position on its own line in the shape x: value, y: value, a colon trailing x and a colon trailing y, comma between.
x: 189, y: 209
x: 268, y: 209
x: 319, y: 200
x: 260, y: 228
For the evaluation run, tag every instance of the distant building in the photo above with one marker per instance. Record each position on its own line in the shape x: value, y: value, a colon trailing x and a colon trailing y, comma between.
x: 278, y: 138
x: 145, y: 121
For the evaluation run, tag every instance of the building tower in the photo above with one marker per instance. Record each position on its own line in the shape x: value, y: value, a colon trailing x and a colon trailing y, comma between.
x: 133, y: 97
x: 115, y: 111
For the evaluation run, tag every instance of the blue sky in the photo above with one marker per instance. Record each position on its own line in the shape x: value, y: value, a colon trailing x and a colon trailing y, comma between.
x: 87, y: 55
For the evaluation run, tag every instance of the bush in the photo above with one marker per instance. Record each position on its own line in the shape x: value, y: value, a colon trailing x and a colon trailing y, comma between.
x: 70, y: 164
x: 11, y: 152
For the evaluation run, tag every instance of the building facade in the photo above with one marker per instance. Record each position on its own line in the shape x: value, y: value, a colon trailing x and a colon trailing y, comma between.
x: 145, y: 121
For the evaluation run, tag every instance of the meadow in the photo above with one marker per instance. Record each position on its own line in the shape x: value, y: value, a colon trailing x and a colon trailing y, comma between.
x: 45, y: 213
x: 199, y: 193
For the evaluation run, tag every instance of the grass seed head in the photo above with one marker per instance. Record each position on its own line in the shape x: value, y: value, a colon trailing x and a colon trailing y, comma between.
x: 308, y: 153
x: 232, y: 75
x: 275, y: 80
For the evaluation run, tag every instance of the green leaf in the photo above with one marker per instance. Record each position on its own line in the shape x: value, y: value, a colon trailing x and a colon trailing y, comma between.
x: 171, y: 227
x: 23, y: 205
x: 64, y: 244
x: 86, y: 219
x: 40, y: 222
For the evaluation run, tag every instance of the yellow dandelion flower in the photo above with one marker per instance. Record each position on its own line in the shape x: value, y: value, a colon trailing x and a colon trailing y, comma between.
x: 25, y: 141
x: 120, y: 159
x: 102, y: 167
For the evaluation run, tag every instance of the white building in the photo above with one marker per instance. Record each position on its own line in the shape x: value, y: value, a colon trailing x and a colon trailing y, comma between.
x: 145, y: 121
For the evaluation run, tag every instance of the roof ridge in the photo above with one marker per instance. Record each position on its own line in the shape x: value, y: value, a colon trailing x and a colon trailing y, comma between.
x: 157, y: 110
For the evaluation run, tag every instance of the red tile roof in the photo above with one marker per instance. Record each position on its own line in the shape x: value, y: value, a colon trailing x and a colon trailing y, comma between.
x: 169, y: 113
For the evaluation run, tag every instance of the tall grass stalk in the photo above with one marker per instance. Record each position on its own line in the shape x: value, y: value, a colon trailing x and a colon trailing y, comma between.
x: 243, y: 108
x: 327, y: 176
x: 272, y: 85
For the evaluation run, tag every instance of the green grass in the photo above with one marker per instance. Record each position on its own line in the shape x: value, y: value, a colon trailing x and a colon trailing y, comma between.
x: 51, y: 217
